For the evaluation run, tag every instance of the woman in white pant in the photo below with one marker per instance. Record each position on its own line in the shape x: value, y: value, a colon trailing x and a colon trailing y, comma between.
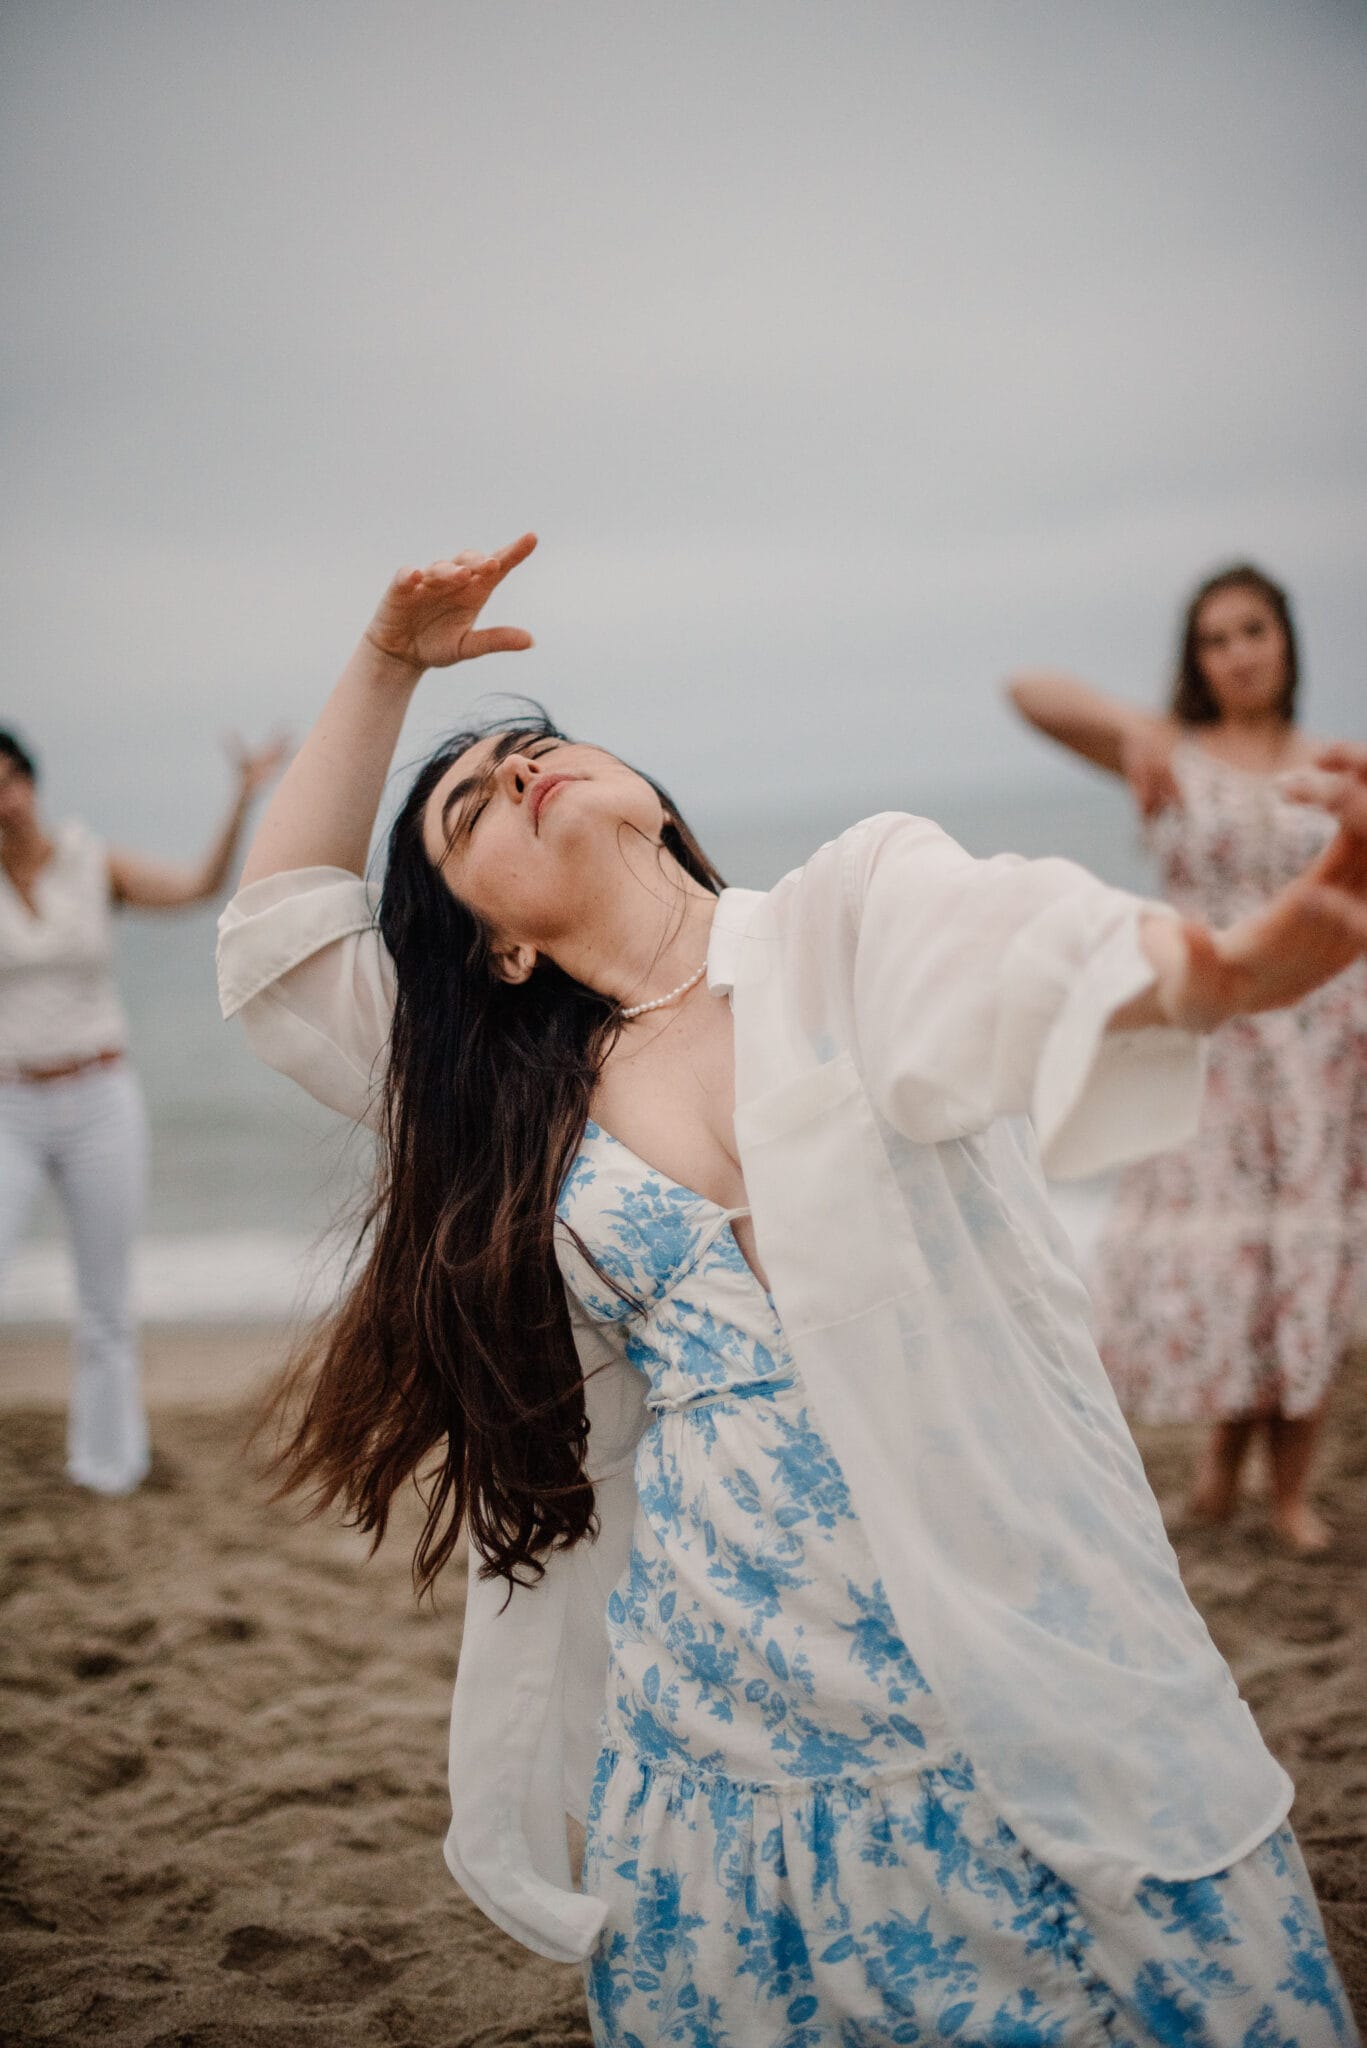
x: 70, y: 1106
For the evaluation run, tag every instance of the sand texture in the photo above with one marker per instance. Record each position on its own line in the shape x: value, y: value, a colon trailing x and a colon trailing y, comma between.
x: 222, y: 1783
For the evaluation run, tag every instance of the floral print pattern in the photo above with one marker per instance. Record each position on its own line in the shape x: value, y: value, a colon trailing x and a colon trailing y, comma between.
x: 1227, y: 1276
x: 791, y: 1849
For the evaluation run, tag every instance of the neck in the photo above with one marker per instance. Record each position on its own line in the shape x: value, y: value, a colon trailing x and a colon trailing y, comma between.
x: 1259, y: 724
x: 24, y: 843
x: 640, y: 929
x: 1260, y: 738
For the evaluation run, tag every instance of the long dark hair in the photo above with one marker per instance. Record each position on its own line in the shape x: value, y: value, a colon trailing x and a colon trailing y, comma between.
x: 450, y: 1360
x: 1193, y: 700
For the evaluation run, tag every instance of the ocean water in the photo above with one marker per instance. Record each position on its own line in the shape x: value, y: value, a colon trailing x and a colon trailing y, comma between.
x: 252, y: 1182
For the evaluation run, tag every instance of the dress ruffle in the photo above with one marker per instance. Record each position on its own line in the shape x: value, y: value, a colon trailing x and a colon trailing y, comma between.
x: 844, y: 1913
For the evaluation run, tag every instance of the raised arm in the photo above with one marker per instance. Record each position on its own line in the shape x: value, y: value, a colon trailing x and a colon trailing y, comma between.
x: 1105, y: 730
x: 300, y: 960
x: 324, y: 810
x: 988, y: 988
x: 170, y: 885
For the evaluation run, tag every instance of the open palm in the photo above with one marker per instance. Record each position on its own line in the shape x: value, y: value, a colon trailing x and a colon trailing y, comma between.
x: 1304, y: 935
x: 428, y: 617
x: 1336, y: 782
x: 256, y: 766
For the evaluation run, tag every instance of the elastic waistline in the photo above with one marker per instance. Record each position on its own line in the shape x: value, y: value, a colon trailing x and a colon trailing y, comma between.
x: 676, y: 1770
x: 743, y: 1391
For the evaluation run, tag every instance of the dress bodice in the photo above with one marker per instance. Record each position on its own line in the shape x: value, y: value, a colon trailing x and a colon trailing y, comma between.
x: 1233, y: 841
x: 751, y: 1603
x: 697, y: 1322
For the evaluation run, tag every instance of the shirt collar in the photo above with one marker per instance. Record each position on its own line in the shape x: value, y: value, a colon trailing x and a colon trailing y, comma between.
x: 725, y: 947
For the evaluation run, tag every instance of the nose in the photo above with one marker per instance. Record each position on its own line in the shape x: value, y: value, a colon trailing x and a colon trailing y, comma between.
x: 516, y: 773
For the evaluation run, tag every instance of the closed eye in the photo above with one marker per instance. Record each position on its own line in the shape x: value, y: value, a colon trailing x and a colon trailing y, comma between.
x: 533, y: 753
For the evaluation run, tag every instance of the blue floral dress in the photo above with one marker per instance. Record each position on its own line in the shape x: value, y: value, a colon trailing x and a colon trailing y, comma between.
x: 791, y: 1849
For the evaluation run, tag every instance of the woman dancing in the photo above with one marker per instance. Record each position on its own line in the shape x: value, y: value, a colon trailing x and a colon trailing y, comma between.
x: 1228, y: 1274
x: 712, y: 1283
x: 70, y: 1105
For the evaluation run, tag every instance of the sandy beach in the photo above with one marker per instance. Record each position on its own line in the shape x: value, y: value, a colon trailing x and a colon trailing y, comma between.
x: 223, y: 1789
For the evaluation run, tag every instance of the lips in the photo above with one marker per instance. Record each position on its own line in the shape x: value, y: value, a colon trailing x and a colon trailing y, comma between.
x: 543, y: 789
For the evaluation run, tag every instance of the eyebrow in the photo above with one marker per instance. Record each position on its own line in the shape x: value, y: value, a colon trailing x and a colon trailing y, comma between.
x: 506, y: 744
x: 454, y: 795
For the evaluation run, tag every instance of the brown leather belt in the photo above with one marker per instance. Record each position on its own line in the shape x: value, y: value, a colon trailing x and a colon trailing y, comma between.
x: 110, y: 1058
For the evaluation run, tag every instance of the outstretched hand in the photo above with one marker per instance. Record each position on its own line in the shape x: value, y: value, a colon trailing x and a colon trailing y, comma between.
x: 427, y: 617
x: 256, y: 766
x: 1309, y: 931
x: 1337, y: 783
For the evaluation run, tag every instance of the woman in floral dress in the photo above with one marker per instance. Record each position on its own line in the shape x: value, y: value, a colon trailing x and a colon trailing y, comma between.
x: 712, y: 1288
x: 790, y: 1842
x: 1230, y: 1269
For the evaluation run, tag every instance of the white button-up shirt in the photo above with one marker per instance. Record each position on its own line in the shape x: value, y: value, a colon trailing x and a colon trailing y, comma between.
x: 914, y: 1030
x: 58, y: 997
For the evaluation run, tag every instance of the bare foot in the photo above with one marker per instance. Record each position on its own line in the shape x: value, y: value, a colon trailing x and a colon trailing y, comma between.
x: 1302, y: 1529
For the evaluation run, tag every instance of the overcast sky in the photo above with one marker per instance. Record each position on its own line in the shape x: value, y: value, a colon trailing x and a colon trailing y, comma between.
x: 843, y: 355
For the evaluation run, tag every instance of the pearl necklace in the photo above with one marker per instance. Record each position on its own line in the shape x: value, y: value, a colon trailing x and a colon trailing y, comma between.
x: 639, y: 1009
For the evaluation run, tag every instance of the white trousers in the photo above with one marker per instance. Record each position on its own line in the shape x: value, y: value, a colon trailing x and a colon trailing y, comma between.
x: 89, y: 1135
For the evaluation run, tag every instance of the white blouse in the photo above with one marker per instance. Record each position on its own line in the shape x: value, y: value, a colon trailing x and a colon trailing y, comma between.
x: 58, y: 999
x: 904, y: 1015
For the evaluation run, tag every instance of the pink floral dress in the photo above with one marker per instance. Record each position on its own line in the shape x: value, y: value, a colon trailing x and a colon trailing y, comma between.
x: 1228, y: 1273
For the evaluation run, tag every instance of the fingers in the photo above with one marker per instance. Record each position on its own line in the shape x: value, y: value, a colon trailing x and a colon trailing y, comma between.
x: 455, y: 572
x: 516, y: 551
x: 470, y: 567
x: 1344, y: 757
x: 495, y: 640
x: 452, y: 569
x: 1305, y: 785
x: 500, y: 561
x: 476, y: 574
x: 1343, y: 796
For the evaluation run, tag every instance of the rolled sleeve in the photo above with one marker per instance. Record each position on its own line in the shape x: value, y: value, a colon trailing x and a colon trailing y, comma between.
x: 301, y: 963
x: 984, y: 988
x: 1102, y: 1098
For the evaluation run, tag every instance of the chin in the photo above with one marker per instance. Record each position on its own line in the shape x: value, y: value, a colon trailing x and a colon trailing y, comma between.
x: 1252, y: 697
